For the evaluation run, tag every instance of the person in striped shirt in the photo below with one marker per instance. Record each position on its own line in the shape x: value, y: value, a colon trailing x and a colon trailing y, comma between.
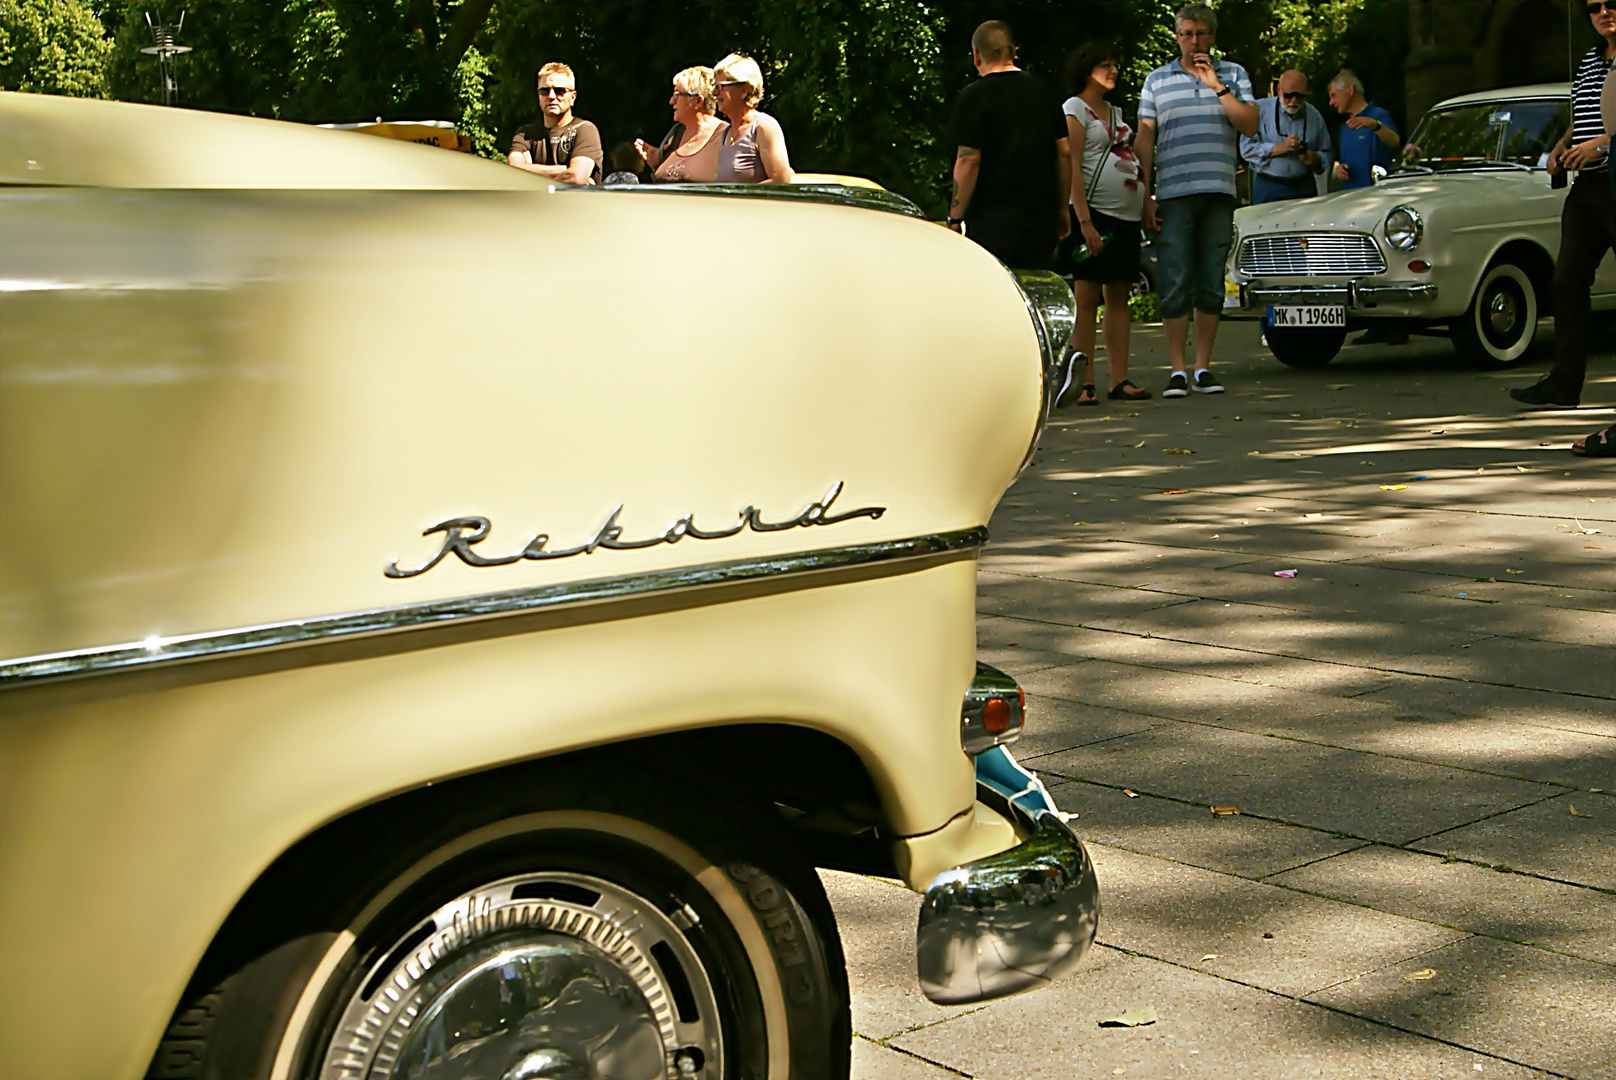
x: 1192, y: 113
x: 1587, y: 221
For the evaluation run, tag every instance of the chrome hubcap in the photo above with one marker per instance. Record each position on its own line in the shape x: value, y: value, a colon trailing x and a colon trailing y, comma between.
x: 553, y: 975
x: 1503, y: 312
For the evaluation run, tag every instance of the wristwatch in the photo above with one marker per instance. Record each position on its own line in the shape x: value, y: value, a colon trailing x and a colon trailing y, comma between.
x: 1225, y: 90
x: 1378, y: 124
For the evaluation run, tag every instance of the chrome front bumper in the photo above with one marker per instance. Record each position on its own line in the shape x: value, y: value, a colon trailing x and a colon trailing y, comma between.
x: 1355, y: 294
x: 1015, y: 920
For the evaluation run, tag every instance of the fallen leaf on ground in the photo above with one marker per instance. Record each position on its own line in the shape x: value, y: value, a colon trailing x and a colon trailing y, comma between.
x: 1079, y: 523
x: 1583, y: 529
x: 1209, y: 956
x: 1253, y: 453
x: 1519, y: 469
x: 1421, y: 975
x: 1509, y: 571
x: 1285, y: 573
x: 1137, y: 445
x: 1135, y: 1017
x: 1577, y: 813
x: 1132, y: 794
x: 1225, y: 811
x: 1177, y: 491
x: 1338, y: 386
x: 1439, y: 431
x: 1265, y: 509
x: 1175, y: 450
x: 1313, y: 516
x: 1393, y: 487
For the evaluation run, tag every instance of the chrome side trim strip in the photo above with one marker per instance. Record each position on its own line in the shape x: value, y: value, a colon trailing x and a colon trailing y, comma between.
x: 1053, y: 311
x: 29, y: 670
x: 835, y: 194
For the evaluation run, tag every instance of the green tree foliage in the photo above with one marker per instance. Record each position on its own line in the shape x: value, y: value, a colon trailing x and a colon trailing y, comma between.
x: 52, y: 47
x: 861, y: 86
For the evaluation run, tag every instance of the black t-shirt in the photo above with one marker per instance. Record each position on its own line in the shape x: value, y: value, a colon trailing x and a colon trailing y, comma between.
x: 1015, y: 120
x: 559, y: 145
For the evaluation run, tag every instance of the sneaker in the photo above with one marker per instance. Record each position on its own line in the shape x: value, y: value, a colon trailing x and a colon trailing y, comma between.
x: 1178, y: 385
x: 1545, y: 393
x: 1069, y: 375
x: 1206, y: 382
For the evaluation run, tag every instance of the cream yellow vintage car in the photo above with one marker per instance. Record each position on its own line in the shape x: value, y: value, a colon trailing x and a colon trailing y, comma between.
x: 1460, y: 240
x: 438, y: 639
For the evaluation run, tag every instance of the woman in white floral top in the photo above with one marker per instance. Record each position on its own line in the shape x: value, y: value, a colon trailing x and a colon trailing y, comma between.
x: 1107, y: 198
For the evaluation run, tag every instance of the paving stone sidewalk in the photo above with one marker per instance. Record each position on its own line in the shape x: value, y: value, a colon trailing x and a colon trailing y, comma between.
x: 1419, y: 729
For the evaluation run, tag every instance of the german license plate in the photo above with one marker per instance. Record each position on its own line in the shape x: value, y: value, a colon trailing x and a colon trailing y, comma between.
x: 1322, y: 317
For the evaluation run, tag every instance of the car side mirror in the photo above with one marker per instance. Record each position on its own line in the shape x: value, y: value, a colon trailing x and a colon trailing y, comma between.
x: 1377, y: 173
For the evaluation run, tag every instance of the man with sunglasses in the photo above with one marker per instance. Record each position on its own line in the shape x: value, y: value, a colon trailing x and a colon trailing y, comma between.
x: 558, y: 145
x: 1587, y: 221
x: 1291, y: 147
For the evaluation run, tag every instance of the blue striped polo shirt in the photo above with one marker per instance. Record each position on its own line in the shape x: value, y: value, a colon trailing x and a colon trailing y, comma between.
x: 1197, y: 148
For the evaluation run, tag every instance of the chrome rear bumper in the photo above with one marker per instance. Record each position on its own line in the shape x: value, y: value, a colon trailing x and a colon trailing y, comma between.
x: 1015, y: 920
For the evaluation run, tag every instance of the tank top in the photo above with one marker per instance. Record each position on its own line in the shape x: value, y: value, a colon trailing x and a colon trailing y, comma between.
x: 739, y: 162
x: 700, y: 167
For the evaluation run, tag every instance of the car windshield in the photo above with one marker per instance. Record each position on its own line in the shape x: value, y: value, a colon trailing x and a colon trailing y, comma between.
x: 1490, y: 134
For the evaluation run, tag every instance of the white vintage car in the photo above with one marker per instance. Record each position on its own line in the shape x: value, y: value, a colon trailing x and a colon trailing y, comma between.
x: 438, y: 641
x: 1459, y: 240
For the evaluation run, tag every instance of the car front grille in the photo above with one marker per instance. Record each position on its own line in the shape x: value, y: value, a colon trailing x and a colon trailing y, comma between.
x: 1310, y: 255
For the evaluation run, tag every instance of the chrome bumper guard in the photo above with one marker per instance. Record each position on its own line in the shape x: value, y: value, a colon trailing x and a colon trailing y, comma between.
x: 1356, y: 294
x: 1015, y: 920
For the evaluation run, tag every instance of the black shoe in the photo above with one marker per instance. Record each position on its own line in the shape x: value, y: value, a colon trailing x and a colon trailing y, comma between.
x: 1206, y: 383
x: 1545, y: 394
x: 1069, y: 374
x: 1178, y: 385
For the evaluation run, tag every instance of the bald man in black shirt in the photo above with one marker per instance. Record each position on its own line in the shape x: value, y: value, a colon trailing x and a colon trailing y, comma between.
x: 1013, y: 168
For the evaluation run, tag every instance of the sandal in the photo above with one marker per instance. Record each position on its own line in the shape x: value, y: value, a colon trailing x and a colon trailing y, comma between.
x: 1127, y: 391
x: 1089, y: 396
x: 1599, y: 444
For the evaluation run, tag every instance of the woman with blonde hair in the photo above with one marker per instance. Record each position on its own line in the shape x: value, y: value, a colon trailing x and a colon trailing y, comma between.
x: 753, y: 147
x: 689, y: 152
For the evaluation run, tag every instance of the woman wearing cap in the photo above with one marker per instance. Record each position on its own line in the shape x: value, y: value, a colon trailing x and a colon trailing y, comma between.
x: 754, y: 147
x: 689, y: 152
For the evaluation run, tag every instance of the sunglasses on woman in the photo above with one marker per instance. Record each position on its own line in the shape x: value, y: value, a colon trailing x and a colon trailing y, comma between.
x: 1601, y: 5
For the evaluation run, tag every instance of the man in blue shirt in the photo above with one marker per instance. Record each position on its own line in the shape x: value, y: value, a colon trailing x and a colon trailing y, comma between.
x: 1291, y: 147
x: 1368, y: 137
x: 1192, y: 113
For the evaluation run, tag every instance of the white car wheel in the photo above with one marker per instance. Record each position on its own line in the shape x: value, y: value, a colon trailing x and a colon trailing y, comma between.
x: 1501, y: 324
x: 657, y: 937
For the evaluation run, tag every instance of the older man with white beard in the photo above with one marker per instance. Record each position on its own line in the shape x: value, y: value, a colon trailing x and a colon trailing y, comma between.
x: 1291, y: 146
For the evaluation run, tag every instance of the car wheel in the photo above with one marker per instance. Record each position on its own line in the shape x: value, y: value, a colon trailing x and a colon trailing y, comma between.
x: 566, y: 942
x: 1501, y: 324
x: 1304, y: 348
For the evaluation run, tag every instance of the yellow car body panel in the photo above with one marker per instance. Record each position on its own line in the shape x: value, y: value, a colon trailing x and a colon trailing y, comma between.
x: 232, y: 402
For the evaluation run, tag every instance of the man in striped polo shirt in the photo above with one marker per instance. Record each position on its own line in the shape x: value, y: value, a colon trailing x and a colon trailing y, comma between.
x: 1192, y: 113
x: 1587, y: 220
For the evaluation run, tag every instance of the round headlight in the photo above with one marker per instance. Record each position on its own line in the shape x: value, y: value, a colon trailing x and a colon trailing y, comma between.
x: 1403, y: 228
